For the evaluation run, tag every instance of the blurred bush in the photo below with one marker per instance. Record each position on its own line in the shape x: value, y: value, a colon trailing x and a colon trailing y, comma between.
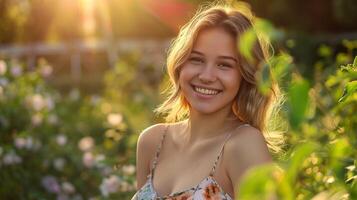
x: 60, y: 146
x: 319, y: 161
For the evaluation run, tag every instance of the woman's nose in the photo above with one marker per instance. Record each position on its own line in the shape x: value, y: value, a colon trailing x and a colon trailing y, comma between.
x: 207, y: 74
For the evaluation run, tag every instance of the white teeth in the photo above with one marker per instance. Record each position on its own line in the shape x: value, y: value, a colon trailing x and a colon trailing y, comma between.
x: 206, y: 91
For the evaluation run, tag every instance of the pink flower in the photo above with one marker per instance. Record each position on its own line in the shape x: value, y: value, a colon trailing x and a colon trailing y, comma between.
x: 46, y: 70
x: 3, y: 67
x: 88, y: 159
x: 110, y: 185
x: 50, y: 184
x: 16, y: 70
x: 20, y: 142
x: 61, y: 139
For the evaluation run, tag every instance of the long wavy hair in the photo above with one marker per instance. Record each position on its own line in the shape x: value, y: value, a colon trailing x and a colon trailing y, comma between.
x: 250, y: 105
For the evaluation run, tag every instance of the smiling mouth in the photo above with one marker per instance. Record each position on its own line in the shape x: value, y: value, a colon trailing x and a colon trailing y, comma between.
x: 205, y: 91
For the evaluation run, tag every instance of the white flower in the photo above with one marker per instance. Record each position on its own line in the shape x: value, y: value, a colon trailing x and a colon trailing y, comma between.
x: 126, y: 187
x: 86, y: 143
x: 20, y: 142
x: 38, y: 102
x: 3, y: 67
x: 114, y: 119
x: 36, y: 119
x: 128, y: 169
x: 61, y: 139
x: 110, y: 185
x: 98, y: 159
x: 49, y: 103
x: 59, y: 163
x: 88, y: 159
x: 68, y: 188
x: 16, y: 70
x: 11, y: 158
x: 3, y: 81
x: 29, y: 143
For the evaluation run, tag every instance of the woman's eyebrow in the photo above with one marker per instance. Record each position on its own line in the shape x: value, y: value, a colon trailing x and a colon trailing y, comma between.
x: 222, y: 57
x: 228, y: 57
x: 197, y: 52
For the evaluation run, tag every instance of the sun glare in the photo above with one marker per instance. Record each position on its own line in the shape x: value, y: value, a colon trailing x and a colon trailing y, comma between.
x: 88, y: 18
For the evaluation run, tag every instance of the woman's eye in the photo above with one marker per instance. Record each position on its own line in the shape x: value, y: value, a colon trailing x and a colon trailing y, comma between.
x: 196, y: 60
x: 225, y: 65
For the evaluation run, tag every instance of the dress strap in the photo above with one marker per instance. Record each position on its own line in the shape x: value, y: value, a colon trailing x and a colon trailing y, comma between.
x: 158, y: 152
x: 221, y: 151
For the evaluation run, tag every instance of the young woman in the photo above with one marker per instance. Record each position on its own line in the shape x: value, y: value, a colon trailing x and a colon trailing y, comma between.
x: 215, y: 113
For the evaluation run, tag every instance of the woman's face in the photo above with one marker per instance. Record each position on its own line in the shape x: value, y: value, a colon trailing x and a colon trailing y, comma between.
x: 210, y: 78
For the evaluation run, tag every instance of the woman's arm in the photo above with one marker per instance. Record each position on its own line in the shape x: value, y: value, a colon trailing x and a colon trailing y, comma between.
x: 247, y: 148
x: 146, y: 146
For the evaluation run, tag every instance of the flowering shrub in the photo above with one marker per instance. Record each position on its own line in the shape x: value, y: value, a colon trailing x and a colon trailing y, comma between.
x: 55, y: 146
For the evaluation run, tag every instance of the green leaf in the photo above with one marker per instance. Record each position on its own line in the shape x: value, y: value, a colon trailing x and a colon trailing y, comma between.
x: 298, y: 99
x: 264, y: 79
x: 355, y: 62
x: 298, y: 156
x: 281, y: 64
x: 338, y: 150
x: 246, y: 43
x: 257, y: 183
x: 267, y: 29
x: 349, y: 89
x: 325, y: 51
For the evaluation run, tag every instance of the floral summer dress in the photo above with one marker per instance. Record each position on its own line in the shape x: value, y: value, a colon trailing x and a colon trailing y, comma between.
x: 207, y: 189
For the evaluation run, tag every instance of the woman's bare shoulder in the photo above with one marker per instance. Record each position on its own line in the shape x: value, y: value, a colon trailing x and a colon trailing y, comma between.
x: 246, y: 148
x: 248, y: 142
x: 152, y: 134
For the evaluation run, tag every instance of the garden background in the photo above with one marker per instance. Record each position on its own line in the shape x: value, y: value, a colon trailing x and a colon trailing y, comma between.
x: 79, y: 80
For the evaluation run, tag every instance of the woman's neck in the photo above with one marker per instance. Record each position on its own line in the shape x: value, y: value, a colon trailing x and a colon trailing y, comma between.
x: 200, y: 127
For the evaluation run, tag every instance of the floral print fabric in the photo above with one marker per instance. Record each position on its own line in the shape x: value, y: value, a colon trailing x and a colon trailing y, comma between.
x: 207, y: 189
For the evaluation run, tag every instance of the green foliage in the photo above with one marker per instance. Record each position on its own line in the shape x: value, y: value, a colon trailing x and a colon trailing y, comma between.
x: 320, y: 161
x: 298, y: 101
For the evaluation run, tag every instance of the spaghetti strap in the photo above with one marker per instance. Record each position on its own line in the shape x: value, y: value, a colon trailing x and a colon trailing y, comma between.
x: 221, y: 151
x: 158, y: 152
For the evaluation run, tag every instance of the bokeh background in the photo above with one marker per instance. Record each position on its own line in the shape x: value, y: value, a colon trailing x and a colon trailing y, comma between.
x: 79, y: 80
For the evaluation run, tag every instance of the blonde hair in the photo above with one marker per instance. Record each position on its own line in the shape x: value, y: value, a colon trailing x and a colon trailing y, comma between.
x: 250, y: 105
